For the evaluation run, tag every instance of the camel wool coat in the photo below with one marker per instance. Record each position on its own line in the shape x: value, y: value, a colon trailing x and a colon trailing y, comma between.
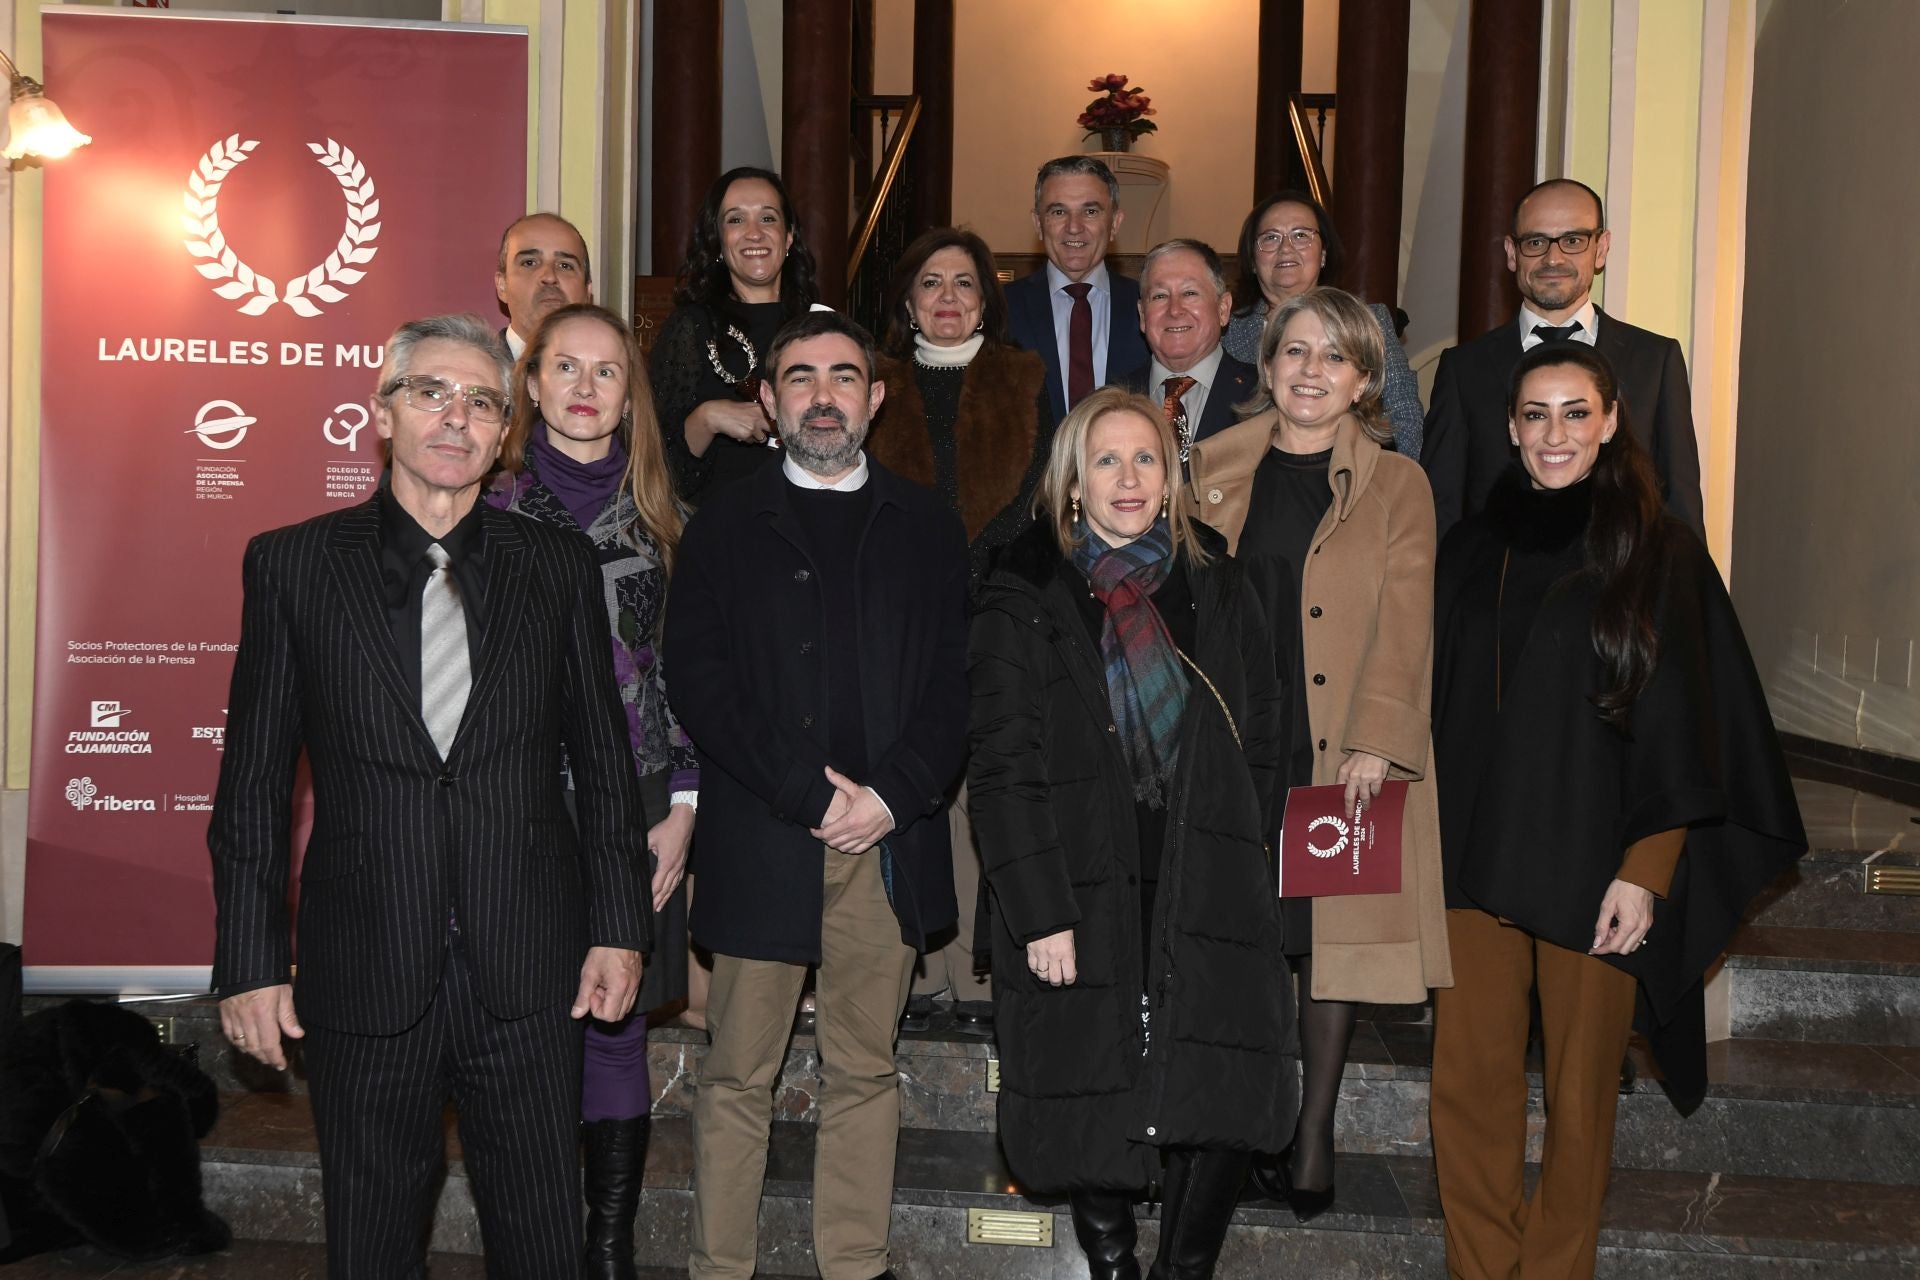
x: 1366, y: 626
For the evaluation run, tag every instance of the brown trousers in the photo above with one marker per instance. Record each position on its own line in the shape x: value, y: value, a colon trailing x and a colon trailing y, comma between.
x: 861, y: 989
x: 1479, y: 1101
x: 949, y: 971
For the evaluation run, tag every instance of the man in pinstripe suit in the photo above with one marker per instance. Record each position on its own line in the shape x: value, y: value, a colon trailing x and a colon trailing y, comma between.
x: 434, y: 658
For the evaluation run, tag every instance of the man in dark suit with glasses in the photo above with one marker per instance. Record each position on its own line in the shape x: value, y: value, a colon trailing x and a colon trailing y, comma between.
x: 435, y: 659
x: 1559, y: 241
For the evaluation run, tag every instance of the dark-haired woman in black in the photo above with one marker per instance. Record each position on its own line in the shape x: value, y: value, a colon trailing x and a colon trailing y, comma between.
x: 748, y: 271
x: 1612, y: 796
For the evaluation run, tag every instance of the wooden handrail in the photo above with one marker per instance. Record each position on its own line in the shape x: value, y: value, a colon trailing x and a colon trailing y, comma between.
x: 1317, y: 185
x: 869, y: 220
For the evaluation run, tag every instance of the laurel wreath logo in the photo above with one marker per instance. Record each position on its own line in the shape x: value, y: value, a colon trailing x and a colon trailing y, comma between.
x: 1338, y: 845
x: 342, y: 267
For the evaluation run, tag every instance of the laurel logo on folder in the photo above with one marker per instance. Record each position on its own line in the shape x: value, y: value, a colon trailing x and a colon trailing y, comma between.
x: 1327, y: 848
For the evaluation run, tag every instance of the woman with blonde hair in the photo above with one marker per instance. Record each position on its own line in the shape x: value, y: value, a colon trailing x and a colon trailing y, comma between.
x: 1338, y: 537
x: 583, y: 451
x: 1125, y: 742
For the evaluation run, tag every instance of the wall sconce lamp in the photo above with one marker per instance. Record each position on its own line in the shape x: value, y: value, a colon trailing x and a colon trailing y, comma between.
x: 35, y: 126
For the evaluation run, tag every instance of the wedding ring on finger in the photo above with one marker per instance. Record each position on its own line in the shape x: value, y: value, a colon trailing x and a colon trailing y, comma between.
x: 239, y: 1037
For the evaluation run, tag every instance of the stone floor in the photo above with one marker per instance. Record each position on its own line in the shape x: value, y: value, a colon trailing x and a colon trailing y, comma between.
x: 1804, y: 1160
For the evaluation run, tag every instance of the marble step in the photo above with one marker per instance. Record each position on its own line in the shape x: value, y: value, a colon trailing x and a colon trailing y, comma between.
x: 249, y: 1260
x: 1827, y: 890
x: 1842, y: 1111
x: 1856, y: 986
x: 262, y: 1174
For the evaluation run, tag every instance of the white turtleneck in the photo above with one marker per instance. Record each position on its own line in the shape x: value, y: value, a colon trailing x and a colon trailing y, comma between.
x: 958, y: 356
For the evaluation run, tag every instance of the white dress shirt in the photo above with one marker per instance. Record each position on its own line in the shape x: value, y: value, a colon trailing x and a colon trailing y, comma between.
x: 848, y: 483
x: 1586, y: 317
x: 1204, y: 373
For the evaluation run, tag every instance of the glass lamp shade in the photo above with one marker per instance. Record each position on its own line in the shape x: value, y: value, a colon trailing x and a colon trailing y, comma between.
x: 36, y: 127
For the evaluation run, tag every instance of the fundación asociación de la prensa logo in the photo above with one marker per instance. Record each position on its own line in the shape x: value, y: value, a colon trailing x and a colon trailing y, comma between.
x: 240, y: 283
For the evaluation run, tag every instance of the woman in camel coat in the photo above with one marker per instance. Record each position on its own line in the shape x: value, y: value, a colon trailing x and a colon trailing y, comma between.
x: 1340, y: 534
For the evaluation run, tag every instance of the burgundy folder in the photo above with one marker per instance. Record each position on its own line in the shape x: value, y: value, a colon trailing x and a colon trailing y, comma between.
x: 1327, y: 848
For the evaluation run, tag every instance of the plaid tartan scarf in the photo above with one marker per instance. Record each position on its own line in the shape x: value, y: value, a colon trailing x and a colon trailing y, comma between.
x: 1146, y: 687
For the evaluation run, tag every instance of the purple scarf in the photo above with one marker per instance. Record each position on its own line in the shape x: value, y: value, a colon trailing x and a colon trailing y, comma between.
x: 584, y: 488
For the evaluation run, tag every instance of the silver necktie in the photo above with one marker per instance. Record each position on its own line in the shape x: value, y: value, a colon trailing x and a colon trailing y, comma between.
x: 446, y: 675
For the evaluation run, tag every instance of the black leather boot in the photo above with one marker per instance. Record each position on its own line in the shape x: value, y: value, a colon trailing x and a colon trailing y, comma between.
x: 616, y: 1163
x: 1201, y: 1190
x: 1103, y: 1223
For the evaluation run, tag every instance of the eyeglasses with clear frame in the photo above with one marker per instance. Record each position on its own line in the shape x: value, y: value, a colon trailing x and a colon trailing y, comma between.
x: 485, y: 405
x: 1571, y: 243
x: 1269, y: 241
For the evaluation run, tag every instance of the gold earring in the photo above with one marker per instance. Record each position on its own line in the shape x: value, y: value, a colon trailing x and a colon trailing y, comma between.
x: 1076, y: 511
x: 1165, y: 498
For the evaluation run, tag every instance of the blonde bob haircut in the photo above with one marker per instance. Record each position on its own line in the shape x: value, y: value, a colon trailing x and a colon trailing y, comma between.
x: 1354, y: 333
x: 1065, y: 465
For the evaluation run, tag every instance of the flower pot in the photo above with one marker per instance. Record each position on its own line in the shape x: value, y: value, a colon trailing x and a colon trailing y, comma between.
x: 1116, y: 139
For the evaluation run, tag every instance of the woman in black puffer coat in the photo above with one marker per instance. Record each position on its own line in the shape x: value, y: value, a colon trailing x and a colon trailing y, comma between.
x: 1127, y: 737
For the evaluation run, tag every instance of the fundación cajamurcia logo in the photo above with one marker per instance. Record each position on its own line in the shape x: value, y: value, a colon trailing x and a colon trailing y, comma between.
x: 107, y: 733
x: 238, y: 282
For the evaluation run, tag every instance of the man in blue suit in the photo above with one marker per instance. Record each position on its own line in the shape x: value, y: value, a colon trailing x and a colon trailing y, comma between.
x: 1081, y: 318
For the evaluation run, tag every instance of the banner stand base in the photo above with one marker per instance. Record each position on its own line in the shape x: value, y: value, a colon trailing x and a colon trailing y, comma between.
x: 142, y: 982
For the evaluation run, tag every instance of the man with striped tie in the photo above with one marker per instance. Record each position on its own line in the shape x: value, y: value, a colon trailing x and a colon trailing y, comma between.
x: 436, y: 659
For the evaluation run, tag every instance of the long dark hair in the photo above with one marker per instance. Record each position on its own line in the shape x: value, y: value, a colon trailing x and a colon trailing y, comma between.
x: 1626, y: 548
x: 704, y: 278
x: 1246, y: 287
x: 993, y: 303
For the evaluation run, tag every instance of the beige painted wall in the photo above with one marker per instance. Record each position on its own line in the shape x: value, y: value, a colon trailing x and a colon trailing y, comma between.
x: 1023, y: 71
x: 1826, y: 524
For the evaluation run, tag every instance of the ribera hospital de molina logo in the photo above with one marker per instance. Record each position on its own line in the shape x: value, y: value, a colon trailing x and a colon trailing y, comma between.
x: 85, y: 796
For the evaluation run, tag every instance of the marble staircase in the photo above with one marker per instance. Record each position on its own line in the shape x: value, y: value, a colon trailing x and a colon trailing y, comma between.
x: 1803, y: 1161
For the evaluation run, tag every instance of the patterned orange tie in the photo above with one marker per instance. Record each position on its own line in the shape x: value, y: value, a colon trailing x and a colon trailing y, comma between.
x: 1176, y: 412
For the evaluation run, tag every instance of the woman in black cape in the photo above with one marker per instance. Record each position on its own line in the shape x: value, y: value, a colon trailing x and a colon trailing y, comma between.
x: 1612, y: 797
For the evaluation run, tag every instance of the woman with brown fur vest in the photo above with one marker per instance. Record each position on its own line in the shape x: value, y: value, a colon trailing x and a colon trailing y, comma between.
x: 967, y: 416
x: 966, y: 411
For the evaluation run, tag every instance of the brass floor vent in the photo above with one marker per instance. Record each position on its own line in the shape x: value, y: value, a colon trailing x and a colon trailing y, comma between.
x: 1900, y: 880
x: 1010, y: 1226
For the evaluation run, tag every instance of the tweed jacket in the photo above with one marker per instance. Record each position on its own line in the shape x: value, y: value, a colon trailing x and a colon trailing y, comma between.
x: 1366, y: 627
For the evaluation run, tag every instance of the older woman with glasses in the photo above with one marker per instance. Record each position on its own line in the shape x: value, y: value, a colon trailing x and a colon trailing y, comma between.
x: 1288, y: 245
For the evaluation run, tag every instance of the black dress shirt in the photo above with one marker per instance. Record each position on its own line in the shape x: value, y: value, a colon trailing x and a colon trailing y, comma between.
x: 404, y: 570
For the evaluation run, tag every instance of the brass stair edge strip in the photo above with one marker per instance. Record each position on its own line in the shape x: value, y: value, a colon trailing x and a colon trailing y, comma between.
x: 1901, y: 881
x: 1017, y: 1227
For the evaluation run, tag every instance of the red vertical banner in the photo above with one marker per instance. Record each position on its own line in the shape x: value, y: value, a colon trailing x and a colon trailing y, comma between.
x: 264, y: 201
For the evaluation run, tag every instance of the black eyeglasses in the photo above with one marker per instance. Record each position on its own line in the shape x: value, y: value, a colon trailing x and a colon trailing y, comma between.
x: 1570, y: 242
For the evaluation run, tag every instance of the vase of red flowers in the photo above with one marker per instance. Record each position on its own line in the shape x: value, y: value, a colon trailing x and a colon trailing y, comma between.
x: 1119, y: 115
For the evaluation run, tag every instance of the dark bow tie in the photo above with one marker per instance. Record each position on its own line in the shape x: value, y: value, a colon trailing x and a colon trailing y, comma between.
x: 1556, y: 333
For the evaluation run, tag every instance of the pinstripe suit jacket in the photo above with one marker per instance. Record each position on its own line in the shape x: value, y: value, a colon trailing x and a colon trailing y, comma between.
x: 402, y: 839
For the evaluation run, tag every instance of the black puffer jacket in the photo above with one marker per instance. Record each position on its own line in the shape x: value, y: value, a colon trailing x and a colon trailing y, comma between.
x: 1054, y: 818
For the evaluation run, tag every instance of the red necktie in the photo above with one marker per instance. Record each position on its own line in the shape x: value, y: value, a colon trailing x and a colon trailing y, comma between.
x: 1079, y: 345
x: 1176, y: 412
